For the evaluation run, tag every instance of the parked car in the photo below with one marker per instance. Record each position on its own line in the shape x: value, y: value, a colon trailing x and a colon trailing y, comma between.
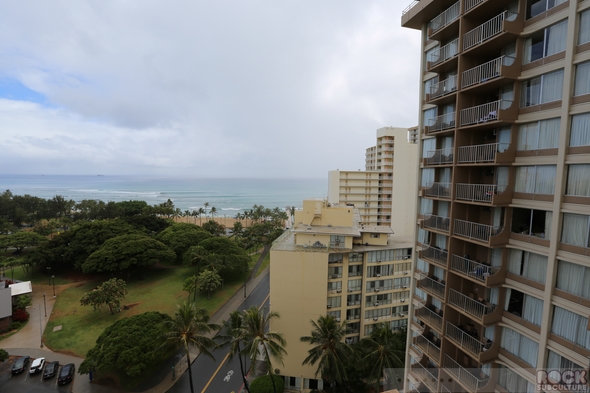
x: 50, y: 370
x: 20, y: 365
x: 66, y: 374
x: 37, y: 365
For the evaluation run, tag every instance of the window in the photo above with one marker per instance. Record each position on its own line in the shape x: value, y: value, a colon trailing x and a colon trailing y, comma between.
x: 292, y: 382
x: 375, y: 235
x: 379, y: 285
x: 535, y: 179
x: 428, y: 83
x: 524, y: 306
x: 546, y: 42
x: 337, y: 241
x: 403, y: 282
x: 335, y: 286
x: 355, y: 285
x: 528, y: 265
x: 335, y: 258
x: 512, y: 382
x: 377, y: 313
x: 355, y: 257
x: 389, y: 255
x: 578, y: 180
x: 398, y: 324
x: 380, y: 270
x: 571, y: 326
x: 355, y: 270
x: 334, y: 302
x: 584, y: 28
x: 353, y: 314
x: 536, y: 7
x: 575, y: 230
x: 582, y: 80
x: 335, y: 272
x: 558, y: 362
x: 542, y: 134
x: 573, y: 278
x: 520, y: 346
x: 580, y: 130
x: 542, y: 89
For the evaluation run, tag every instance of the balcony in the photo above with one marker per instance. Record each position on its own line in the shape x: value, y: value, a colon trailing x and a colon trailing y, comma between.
x: 477, y: 271
x: 470, y: 306
x: 494, y: 70
x: 439, y: 157
x: 438, y: 190
x: 430, y: 317
x: 484, y: 233
x: 435, y: 254
x: 442, y: 88
x: 443, y: 54
x: 491, y: 194
x: 444, y: 19
x: 469, y: 380
x: 432, y: 286
x: 493, y: 153
x: 427, y: 347
x: 469, y: 4
x: 428, y: 378
x: 440, y: 123
x: 438, y: 223
x: 493, y: 27
x: 465, y: 341
x: 496, y: 111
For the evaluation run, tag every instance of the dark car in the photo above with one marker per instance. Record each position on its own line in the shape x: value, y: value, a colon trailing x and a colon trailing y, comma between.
x: 50, y: 370
x: 21, y: 364
x: 66, y: 374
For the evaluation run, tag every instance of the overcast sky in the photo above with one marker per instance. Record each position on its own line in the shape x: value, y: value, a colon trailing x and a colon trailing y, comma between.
x: 241, y: 88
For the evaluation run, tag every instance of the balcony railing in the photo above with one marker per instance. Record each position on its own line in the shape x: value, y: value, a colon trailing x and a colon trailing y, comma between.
x: 439, y: 190
x: 427, y: 377
x: 464, y: 340
x: 470, y: 306
x: 436, y: 255
x: 444, y: 53
x: 469, y: 4
x: 355, y: 274
x: 408, y: 8
x: 445, y: 18
x: 440, y: 156
x: 463, y: 375
x: 486, y: 71
x: 480, y: 153
x: 436, y: 222
x: 483, y: 113
x: 430, y: 285
x: 427, y: 347
x: 476, y: 192
x: 441, y: 122
x: 475, y: 231
x: 442, y: 88
x: 473, y: 269
x: 487, y: 30
x: 378, y: 303
x: 429, y: 316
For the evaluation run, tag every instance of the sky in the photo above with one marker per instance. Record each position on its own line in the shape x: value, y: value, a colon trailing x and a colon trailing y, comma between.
x: 243, y: 88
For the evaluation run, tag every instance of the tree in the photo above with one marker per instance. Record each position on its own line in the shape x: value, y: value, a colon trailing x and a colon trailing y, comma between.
x: 181, y: 236
x: 191, y: 284
x: 3, y: 355
x: 264, y: 384
x: 258, y: 338
x: 213, y: 212
x: 209, y: 281
x: 126, y: 253
x: 219, y: 253
x: 214, y: 228
x: 328, y: 349
x: 21, y: 240
x: 237, y: 229
x: 188, y: 329
x: 128, y: 347
x: 233, y: 337
x: 111, y: 293
x: 199, y: 213
x: 384, y: 349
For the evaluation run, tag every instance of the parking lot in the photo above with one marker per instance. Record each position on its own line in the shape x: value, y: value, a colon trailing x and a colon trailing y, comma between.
x: 27, y: 383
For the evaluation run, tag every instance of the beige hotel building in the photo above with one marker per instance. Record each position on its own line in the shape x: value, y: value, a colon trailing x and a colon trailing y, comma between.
x: 501, y: 281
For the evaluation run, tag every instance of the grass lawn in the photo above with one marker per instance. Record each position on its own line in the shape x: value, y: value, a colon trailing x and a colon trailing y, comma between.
x: 161, y: 290
x: 264, y: 264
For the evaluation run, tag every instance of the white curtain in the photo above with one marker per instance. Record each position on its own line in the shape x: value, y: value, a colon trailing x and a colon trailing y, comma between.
x: 423, y: 236
x: 578, y: 180
x: 556, y: 37
x: 571, y: 326
x: 425, y: 206
x: 584, y: 28
x: 575, y: 229
x: 503, y: 139
x: 429, y: 83
x: 443, y: 209
x: 548, y: 225
x: 436, y: 303
x: 422, y: 265
x: 489, y: 332
x: 535, y: 267
x: 515, y: 261
x: 525, y: 179
x: 444, y: 175
x: 580, y: 130
x: 532, y: 310
x: 439, y: 273
x: 427, y: 115
x: 582, y: 81
x: 441, y: 241
x: 573, y: 278
x: 428, y: 147
x: 497, y: 217
x: 545, y: 179
x: 528, y: 136
x: 549, y: 133
x: 494, y: 293
x: 552, y: 86
x: 520, y: 346
x: 496, y: 257
x: 427, y: 177
x: 531, y: 92
x: 502, y: 178
x: 528, y: 46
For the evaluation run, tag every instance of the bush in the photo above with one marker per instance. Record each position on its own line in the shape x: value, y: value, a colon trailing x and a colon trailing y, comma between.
x: 263, y: 384
x: 20, y: 315
x: 15, y: 326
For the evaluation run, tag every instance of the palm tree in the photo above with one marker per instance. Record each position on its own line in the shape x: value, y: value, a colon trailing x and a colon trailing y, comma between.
x: 200, y: 213
x: 384, y: 349
x: 258, y: 340
x: 191, y: 284
x: 188, y: 329
x: 206, y: 204
x: 234, y: 336
x: 328, y: 349
x: 213, y: 211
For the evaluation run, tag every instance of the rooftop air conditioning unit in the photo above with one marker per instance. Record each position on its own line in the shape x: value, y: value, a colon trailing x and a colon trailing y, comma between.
x: 375, y: 319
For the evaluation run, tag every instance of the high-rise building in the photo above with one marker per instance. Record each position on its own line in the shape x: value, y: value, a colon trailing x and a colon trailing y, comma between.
x: 502, y: 273
x: 372, y: 192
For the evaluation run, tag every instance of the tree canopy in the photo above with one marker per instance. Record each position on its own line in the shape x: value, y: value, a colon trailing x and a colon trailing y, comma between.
x: 127, y: 252
x: 21, y: 240
x: 111, y: 293
x: 219, y: 253
x: 181, y: 236
x: 128, y: 347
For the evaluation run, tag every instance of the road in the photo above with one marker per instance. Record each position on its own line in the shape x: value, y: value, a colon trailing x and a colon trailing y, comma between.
x: 220, y: 375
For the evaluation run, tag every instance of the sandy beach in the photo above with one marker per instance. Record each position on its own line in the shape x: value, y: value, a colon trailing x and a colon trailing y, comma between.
x: 228, y: 222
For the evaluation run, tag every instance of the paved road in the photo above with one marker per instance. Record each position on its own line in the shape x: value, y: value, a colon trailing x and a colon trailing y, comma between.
x: 209, y: 375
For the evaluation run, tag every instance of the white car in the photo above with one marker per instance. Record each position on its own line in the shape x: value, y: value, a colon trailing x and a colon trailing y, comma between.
x: 37, y: 365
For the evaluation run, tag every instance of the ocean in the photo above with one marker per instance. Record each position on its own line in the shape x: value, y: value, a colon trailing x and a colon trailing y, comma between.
x: 229, y: 196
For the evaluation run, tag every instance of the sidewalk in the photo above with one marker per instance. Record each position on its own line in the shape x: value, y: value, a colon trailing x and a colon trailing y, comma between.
x: 27, y: 340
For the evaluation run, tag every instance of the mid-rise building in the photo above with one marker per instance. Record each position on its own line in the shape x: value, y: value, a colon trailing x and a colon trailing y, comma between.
x: 501, y: 287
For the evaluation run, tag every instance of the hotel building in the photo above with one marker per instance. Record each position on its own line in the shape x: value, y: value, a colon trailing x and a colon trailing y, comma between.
x: 501, y: 281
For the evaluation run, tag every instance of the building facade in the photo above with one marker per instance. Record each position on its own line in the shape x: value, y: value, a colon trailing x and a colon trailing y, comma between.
x: 501, y: 282
x: 330, y: 263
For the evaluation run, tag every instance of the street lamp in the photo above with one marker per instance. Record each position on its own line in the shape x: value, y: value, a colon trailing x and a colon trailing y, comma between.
x: 44, y: 306
x: 53, y: 277
x: 40, y: 328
